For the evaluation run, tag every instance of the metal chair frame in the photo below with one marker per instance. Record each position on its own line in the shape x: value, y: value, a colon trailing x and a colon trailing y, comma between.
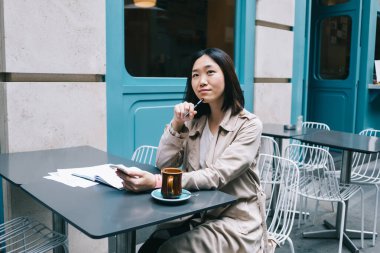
x: 318, y: 180
x: 24, y: 234
x: 269, y: 146
x: 282, y: 173
x: 314, y: 125
x: 365, y: 171
x: 145, y: 154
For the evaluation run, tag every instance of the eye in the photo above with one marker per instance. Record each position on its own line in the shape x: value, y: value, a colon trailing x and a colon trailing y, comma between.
x: 194, y: 75
x: 211, y: 72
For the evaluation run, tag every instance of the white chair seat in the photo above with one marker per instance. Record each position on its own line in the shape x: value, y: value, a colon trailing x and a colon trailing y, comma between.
x: 24, y: 234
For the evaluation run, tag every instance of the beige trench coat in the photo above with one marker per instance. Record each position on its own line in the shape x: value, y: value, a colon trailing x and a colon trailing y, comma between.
x: 231, y: 168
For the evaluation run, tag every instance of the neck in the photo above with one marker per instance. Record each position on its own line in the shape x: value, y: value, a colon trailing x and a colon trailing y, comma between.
x: 215, y: 117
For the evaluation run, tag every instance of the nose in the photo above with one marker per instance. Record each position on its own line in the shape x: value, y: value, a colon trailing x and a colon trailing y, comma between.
x: 203, y: 81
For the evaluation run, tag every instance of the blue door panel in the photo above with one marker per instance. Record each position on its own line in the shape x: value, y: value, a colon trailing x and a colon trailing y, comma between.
x: 144, y: 118
x: 149, y: 122
x: 333, y: 103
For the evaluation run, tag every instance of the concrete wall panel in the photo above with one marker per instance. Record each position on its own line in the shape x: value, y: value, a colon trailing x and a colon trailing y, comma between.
x: 272, y: 102
x: 273, y: 53
x: 56, y: 36
x: 276, y: 11
x: 55, y: 115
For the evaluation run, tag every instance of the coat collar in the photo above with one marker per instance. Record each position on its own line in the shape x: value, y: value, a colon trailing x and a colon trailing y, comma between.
x: 228, y: 122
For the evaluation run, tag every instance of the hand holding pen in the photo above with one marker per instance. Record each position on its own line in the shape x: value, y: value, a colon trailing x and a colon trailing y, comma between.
x: 195, y: 106
x: 183, y: 112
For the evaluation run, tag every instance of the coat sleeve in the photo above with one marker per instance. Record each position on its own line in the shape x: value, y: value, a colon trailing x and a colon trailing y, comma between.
x: 170, y: 150
x: 236, y: 159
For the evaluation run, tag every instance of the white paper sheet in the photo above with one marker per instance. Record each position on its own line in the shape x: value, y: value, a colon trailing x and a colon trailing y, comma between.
x: 68, y: 179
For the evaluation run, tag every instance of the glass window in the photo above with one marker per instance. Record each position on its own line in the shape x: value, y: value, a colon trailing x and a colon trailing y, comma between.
x: 377, y: 41
x: 333, y: 2
x: 377, y: 46
x: 335, y: 45
x: 159, y: 40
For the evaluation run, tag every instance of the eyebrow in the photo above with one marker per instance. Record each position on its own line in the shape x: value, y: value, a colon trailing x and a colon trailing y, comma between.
x: 206, y: 67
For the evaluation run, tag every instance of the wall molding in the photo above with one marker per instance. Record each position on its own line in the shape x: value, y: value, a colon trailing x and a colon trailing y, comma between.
x: 274, y: 25
x: 48, y: 77
x: 271, y: 80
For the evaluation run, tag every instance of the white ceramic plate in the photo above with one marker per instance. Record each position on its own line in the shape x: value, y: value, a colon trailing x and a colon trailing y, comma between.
x: 184, y: 196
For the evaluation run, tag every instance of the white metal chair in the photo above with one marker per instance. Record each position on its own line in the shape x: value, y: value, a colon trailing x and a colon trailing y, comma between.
x: 283, y: 174
x: 314, y: 125
x: 366, y: 171
x: 145, y: 154
x: 269, y: 146
x: 318, y: 180
x: 24, y: 234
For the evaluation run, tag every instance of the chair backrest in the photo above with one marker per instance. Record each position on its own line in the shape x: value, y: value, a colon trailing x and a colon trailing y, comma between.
x: 282, y: 174
x: 145, y: 154
x: 317, y: 171
x: 316, y: 125
x: 269, y: 146
x: 364, y: 166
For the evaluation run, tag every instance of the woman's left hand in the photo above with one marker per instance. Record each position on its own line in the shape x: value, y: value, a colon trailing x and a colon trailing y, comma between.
x: 137, y: 180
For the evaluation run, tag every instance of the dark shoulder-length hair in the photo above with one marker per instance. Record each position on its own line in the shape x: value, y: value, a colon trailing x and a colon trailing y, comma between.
x: 233, y: 95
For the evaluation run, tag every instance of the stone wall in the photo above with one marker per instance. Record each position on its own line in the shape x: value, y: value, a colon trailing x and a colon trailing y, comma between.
x: 52, y: 89
x: 273, y: 60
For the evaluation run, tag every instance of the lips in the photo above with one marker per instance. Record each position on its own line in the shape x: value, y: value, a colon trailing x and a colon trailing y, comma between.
x: 204, y: 90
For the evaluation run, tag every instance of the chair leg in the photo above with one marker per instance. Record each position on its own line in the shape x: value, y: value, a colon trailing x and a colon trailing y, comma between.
x: 290, y: 244
x: 342, y: 226
x: 374, y: 225
x: 302, y: 207
x: 315, y: 211
x: 362, y: 226
x: 304, y: 212
x: 300, y: 212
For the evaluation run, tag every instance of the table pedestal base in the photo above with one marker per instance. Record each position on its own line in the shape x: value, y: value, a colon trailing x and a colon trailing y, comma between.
x: 60, y: 226
x: 333, y: 233
x: 122, y: 243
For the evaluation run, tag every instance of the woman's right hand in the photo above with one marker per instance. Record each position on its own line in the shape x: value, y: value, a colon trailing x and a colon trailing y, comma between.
x: 182, y: 112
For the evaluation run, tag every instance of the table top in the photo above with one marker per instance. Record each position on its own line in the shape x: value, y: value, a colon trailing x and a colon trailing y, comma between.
x: 14, y: 166
x: 342, y: 140
x: 101, y: 211
x: 278, y: 131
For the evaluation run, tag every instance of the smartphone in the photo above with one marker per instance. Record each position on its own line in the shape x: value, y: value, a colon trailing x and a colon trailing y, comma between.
x: 124, y: 169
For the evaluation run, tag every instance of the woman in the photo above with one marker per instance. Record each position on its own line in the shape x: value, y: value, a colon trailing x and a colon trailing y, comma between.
x: 217, y: 146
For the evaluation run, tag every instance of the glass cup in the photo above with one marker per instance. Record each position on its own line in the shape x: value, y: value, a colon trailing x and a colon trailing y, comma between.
x: 171, y: 183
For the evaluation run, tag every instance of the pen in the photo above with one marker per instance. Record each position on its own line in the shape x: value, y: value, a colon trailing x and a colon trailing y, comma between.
x: 195, y: 106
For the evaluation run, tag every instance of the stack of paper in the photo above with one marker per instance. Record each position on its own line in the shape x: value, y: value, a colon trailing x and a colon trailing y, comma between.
x: 89, y: 176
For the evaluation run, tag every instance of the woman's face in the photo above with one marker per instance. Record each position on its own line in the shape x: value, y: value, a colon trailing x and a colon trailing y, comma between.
x: 207, y: 80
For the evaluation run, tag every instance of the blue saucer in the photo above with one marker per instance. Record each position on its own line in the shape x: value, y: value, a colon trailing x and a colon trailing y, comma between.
x: 184, y: 196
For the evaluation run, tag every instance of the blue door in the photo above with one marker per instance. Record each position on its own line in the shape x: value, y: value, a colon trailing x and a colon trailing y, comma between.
x: 147, y: 51
x: 334, y: 63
